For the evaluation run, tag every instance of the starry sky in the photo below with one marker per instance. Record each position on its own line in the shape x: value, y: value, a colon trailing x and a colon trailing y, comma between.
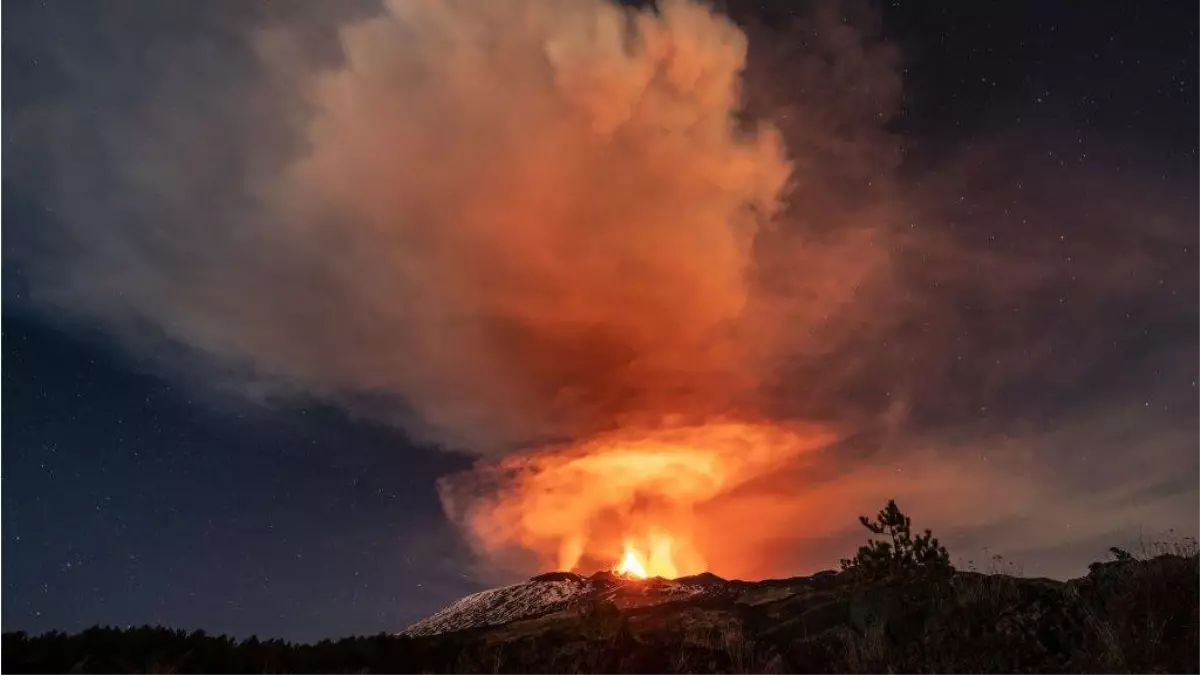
x: 138, y: 491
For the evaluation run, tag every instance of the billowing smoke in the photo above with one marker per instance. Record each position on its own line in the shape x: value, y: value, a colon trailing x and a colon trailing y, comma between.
x: 552, y: 211
x: 655, y: 272
x: 516, y: 220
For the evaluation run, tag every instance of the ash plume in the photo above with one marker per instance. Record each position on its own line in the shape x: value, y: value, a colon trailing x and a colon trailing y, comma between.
x: 534, y: 230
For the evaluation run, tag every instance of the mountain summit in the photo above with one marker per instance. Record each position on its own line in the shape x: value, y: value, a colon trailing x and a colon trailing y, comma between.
x: 562, y: 592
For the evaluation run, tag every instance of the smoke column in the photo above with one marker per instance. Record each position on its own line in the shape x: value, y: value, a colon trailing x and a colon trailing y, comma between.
x: 553, y: 209
x: 650, y: 274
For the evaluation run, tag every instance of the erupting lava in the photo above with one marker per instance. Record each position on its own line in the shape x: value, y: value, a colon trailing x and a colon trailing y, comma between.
x: 630, y: 566
x: 659, y: 564
x: 656, y: 502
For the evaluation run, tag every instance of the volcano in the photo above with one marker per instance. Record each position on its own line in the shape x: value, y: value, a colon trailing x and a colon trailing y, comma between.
x: 827, y: 622
x: 564, y: 595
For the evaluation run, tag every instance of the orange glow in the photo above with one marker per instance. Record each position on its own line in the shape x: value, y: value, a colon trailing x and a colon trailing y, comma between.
x: 631, y: 566
x: 608, y: 259
x: 660, y: 563
x: 644, y: 499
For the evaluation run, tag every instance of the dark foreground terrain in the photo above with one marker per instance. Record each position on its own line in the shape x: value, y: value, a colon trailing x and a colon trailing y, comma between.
x: 1127, y: 615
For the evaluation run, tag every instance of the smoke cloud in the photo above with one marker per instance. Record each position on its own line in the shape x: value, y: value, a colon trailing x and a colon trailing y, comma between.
x: 552, y: 207
x: 558, y: 235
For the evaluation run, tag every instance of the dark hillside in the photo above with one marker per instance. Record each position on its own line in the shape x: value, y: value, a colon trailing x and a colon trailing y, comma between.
x: 897, y: 606
x: 1124, y: 616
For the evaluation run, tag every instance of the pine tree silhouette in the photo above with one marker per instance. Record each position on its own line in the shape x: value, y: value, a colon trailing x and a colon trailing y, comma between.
x: 900, y: 555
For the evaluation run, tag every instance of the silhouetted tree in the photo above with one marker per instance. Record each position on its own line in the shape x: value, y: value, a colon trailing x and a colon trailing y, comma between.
x: 900, y: 555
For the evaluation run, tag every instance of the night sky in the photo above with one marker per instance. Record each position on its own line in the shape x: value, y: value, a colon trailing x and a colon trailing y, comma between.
x: 139, y: 489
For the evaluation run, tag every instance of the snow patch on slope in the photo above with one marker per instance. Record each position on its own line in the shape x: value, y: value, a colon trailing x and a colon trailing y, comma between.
x: 556, y: 591
x: 501, y: 605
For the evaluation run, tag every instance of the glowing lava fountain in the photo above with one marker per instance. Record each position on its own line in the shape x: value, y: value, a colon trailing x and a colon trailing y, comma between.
x: 641, y: 502
x: 630, y: 566
x: 659, y: 563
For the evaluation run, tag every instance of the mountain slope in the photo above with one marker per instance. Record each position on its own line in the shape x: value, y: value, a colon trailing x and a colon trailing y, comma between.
x: 1130, y: 615
x: 535, y: 597
x: 556, y: 592
x: 1124, y: 616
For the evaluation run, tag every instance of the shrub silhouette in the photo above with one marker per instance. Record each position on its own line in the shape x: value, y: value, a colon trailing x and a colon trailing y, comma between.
x: 902, y: 556
x: 1120, y: 554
